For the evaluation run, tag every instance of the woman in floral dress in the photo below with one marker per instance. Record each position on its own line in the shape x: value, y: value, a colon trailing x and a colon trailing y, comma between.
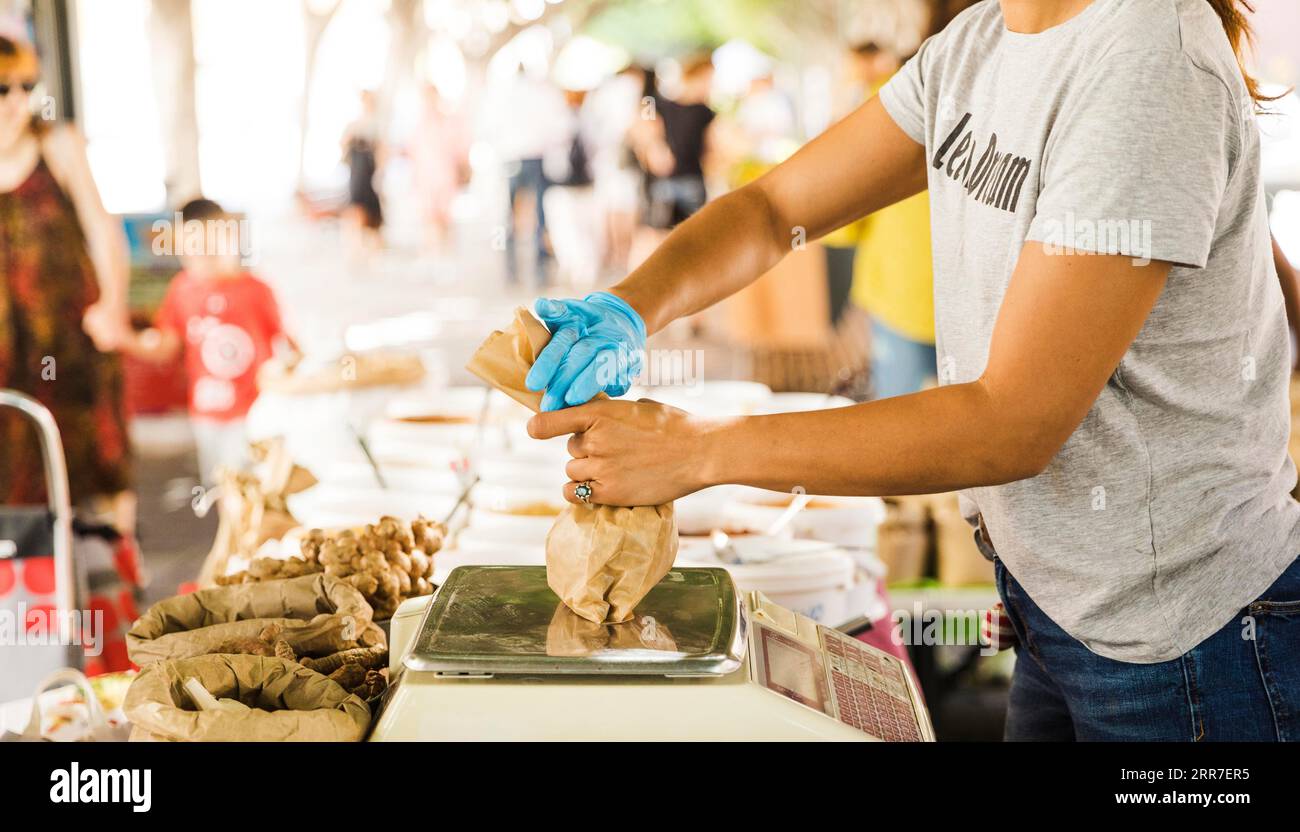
x: 63, y: 280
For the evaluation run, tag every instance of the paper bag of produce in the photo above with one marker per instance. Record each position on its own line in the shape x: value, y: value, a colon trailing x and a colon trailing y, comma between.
x: 288, y: 703
x: 317, y: 615
x: 600, y: 560
x: 252, y: 507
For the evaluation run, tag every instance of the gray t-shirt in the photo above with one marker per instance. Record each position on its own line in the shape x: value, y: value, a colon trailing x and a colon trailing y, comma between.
x: 1125, y: 130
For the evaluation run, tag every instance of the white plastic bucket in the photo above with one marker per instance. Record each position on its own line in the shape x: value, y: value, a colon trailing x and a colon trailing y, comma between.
x: 498, y: 512
x: 817, y: 582
x: 473, y: 549
x: 711, y: 398
x: 328, y: 506
x: 844, y: 521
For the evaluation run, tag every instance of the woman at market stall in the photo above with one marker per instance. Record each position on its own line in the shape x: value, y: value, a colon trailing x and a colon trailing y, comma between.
x: 1112, y: 356
x: 63, y: 282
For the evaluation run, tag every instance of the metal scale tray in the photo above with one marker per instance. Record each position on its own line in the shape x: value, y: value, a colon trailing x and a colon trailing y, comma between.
x: 494, y: 620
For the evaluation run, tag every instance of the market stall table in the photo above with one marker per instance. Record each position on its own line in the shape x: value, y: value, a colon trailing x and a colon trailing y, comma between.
x: 494, y: 654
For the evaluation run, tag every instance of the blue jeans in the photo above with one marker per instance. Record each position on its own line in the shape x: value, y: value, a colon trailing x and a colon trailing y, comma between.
x: 1240, y: 684
x: 899, y: 365
x: 527, y: 175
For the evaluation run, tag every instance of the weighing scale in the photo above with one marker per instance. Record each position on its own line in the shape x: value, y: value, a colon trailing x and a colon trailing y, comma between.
x: 494, y: 654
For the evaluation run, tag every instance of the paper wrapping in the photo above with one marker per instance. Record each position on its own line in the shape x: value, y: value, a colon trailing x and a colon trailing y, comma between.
x: 600, y: 560
x: 252, y: 506
x: 292, y: 703
x: 318, y: 616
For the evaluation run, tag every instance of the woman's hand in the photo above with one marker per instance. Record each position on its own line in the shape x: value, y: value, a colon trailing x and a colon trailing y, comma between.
x: 633, y: 453
x: 107, y: 324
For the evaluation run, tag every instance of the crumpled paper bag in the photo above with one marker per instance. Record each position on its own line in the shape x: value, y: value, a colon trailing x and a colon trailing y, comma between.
x: 290, y: 702
x: 252, y: 507
x: 318, y: 616
x: 570, y: 635
x: 600, y: 560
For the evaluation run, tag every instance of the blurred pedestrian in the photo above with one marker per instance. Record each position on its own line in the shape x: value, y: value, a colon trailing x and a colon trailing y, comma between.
x: 363, y: 151
x: 866, y: 68
x: 441, y: 160
x: 673, y: 148
x: 575, y: 221
x: 615, y: 107
x: 226, y: 324
x: 63, y: 305
x: 526, y: 125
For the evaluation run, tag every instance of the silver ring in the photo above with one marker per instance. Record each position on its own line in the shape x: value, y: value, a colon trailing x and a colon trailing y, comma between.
x: 583, y: 492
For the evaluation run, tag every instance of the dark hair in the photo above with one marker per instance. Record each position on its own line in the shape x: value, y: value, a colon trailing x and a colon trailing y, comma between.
x: 201, y: 209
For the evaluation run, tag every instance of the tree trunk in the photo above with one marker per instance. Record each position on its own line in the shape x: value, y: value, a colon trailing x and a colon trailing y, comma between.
x: 171, y: 45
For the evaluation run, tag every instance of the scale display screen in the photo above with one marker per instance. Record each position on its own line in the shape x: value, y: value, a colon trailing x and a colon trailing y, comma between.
x: 488, y: 620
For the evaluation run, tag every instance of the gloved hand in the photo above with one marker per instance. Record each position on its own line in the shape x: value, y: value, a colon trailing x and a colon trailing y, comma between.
x: 597, y: 345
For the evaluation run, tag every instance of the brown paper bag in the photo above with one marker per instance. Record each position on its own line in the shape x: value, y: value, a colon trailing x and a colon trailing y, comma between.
x: 317, y: 615
x: 600, y: 560
x: 290, y: 702
x: 252, y: 506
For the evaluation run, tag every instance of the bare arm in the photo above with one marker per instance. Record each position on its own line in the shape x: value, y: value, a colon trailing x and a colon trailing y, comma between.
x: 1064, y: 325
x: 860, y: 165
x: 65, y: 152
x: 156, y: 345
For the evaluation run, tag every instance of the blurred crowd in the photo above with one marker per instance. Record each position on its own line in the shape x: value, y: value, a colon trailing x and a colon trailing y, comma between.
x: 593, y: 179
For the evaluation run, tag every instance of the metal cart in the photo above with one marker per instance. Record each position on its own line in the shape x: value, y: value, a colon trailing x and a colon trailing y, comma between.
x: 28, y: 534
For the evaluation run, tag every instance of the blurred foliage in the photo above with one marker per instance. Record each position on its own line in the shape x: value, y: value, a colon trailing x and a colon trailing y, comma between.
x: 653, y: 28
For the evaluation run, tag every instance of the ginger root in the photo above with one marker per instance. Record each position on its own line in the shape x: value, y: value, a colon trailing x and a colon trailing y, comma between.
x: 387, y: 562
x: 270, y: 569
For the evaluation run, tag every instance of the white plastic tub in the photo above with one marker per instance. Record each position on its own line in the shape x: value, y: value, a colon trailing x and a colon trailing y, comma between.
x: 536, y: 464
x: 398, y: 477
x: 844, y: 521
x: 495, y: 513
x: 710, y: 398
x: 817, y: 582
x: 474, y: 549
x: 328, y: 506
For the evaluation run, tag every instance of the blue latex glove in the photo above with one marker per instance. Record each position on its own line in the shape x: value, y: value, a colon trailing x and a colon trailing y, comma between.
x: 597, y: 345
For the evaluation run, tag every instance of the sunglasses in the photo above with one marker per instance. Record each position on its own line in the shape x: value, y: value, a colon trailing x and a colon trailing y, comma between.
x: 27, y: 87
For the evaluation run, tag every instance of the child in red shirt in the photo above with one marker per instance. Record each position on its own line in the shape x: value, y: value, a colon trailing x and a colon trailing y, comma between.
x: 228, y: 325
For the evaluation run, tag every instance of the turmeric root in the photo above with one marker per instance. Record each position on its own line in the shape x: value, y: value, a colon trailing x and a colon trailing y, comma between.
x: 376, y: 682
x: 245, y: 646
x: 350, y: 676
x: 265, y: 644
x: 368, y: 658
